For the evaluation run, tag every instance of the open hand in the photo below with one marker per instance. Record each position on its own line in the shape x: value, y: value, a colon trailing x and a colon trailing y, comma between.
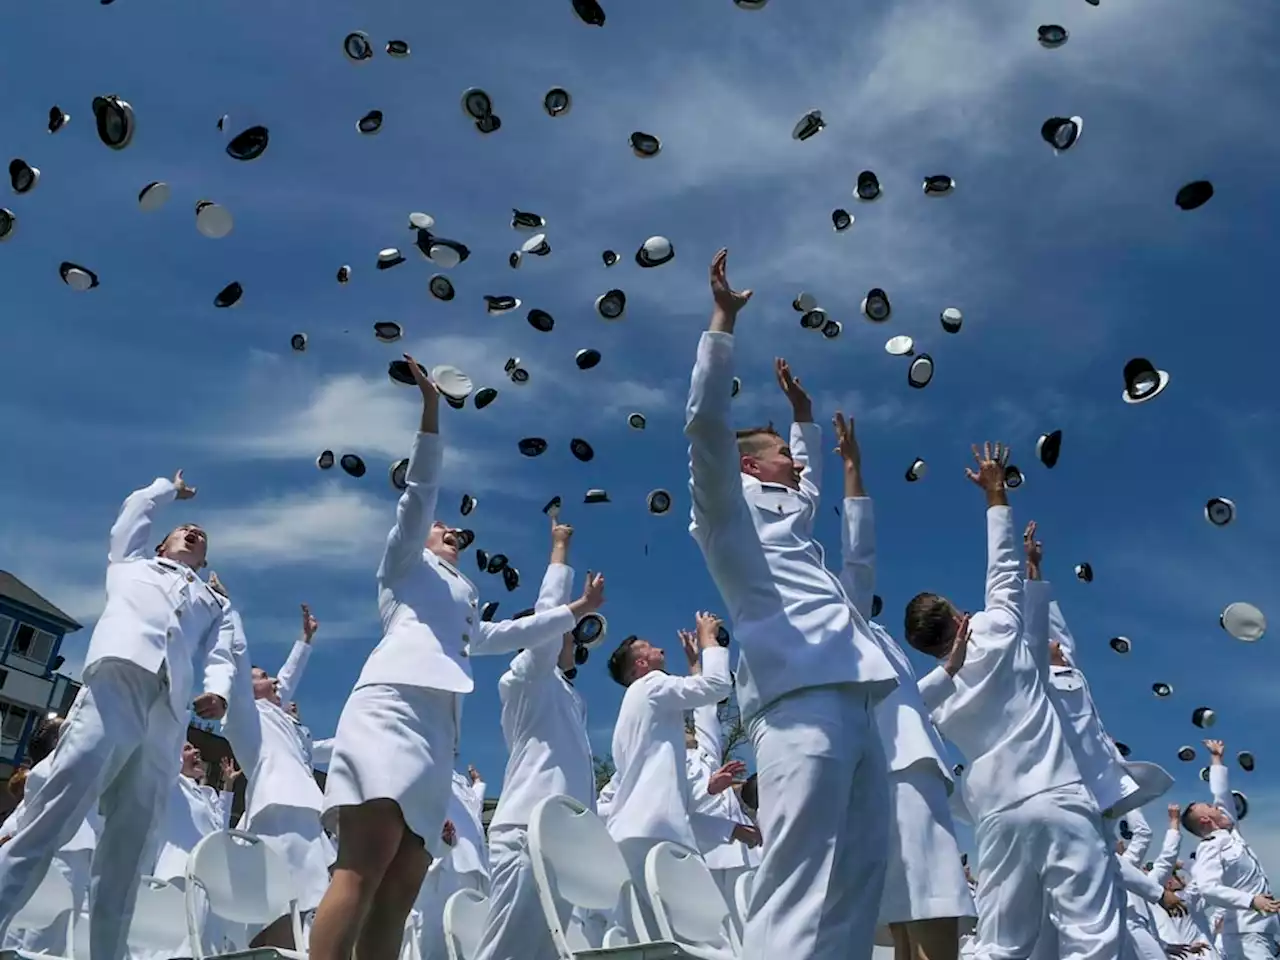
x: 184, y: 492
x: 1216, y: 748
x: 847, y: 441
x: 727, y: 300
x: 429, y: 392
x: 726, y: 777
x: 689, y: 643
x: 991, y: 463
x: 708, y: 628
x: 209, y: 706
x: 593, y: 592
x: 801, y: 405
x: 959, y: 649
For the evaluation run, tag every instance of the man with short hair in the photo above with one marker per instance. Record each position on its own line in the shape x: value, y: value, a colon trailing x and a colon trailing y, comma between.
x: 123, y: 735
x: 1036, y: 825
x: 1227, y: 872
x: 652, y: 800
x: 810, y: 673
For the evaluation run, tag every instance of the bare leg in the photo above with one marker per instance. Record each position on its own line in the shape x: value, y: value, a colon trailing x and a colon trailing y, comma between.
x: 902, y: 949
x: 368, y: 838
x: 383, y: 930
x: 278, y: 934
x: 936, y: 939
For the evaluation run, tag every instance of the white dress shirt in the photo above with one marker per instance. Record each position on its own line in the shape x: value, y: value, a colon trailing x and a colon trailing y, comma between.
x: 193, y: 812
x: 793, y: 622
x: 718, y: 812
x: 997, y: 710
x: 240, y: 724
x: 1096, y: 755
x: 604, y: 800
x: 906, y: 732
x: 159, y: 613
x: 430, y: 622
x: 470, y: 854
x: 1227, y: 872
x: 1193, y: 926
x: 652, y: 800
x: 544, y: 722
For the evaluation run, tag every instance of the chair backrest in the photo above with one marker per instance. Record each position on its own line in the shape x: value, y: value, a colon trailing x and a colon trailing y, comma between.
x: 51, y: 900
x: 575, y: 860
x: 686, y: 902
x: 159, y: 922
x: 615, y: 937
x: 244, y: 881
x: 465, y: 913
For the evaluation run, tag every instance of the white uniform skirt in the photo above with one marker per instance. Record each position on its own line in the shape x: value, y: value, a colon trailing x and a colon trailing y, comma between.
x: 395, y: 742
x: 295, y: 833
x: 925, y: 878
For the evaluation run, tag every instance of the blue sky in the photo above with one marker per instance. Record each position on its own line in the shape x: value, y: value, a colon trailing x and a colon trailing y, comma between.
x: 1065, y: 267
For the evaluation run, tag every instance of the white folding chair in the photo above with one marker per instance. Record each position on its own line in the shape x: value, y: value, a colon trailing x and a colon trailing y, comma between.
x: 742, y: 899
x: 687, y: 904
x: 244, y: 881
x: 159, y: 923
x: 53, y: 902
x: 465, y: 913
x: 575, y: 860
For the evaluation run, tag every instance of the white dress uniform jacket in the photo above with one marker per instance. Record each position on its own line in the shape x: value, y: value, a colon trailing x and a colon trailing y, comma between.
x: 906, y: 732
x: 470, y: 853
x: 428, y: 607
x: 544, y: 722
x: 1100, y: 763
x: 652, y: 801
x: 159, y: 614
x: 1193, y: 926
x: 721, y: 811
x: 793, y: 622
x: 1228, y: 873
x: 283, y: 777
x: 996, y: 710
x: 193, y: 813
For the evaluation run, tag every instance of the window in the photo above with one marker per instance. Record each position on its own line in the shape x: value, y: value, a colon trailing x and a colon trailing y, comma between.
x: 32, y: 644
x: 5, y: 624
x: 13, y: 720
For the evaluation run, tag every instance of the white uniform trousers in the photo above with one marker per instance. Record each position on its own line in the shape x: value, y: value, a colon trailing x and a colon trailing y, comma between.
x: 1248, y: 946
x: 1047, y: 852
x: 74, y: 865
x: 517, y: 927
x: 824, y: 816
x: 119, y: 749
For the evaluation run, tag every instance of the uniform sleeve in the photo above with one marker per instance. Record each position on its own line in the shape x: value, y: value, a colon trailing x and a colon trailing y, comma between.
x: 1220, y: 787
x: 858, y: 553
x: 1058, y: 631
x: 1167, y: 860
x: 1136, y: 880
x: 1135, y: 850
x: 1036, y: 600
x: 508, y: 636
x: 1004, y: 589
x: 557, y: 585
x: 715, y: 474
x: 806, y: 450
x: 131, y: 535
x: 226, y: 800
x: 416, y: 510
x: 686, y: 693
x: 220, y: 663
x: 290, y: 674
x: 935, y: 687
x: 709, y: 732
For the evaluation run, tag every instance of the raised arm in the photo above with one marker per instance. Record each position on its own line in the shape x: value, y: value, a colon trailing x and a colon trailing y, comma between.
x: 1167, y: 860
x: 1036, y: 599
x: 416, y: 509
x: 219, y: 664
x: 131, y: 535
x: 1136, y: 880
x: 556, y: 591
x: 290, y: 674
x: 1004, y: 570
x: 858, y: 533
x: 1135, y: 850
x: 1219, y: 780
x: 709, y: 683
x: 806, y: 436
x: 709, y: 732
x: 715, y: 475
x: 507, y: 636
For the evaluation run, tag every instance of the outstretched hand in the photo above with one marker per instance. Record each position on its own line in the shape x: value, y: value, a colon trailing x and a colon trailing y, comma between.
x: 184, y: 492
x: 728, y: 301
x: 959, y: 649
x: 309, y: 624
x: 847, y: 441
x: 724, y: 778
x: 1034, y: 550
x: 797, y: 396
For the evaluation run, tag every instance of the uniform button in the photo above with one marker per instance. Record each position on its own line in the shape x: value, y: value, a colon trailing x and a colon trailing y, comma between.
x: 169, y: 633
x: 466, y: 652
x: 190, y: 577
x: 468, y: 619
x: 466, y: 638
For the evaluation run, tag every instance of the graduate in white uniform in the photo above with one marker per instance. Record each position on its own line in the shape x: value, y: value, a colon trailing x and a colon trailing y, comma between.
x: 544, y: 724
x: 652, y: 800
x: 194, y: 811
x: 711, y: 786
x: 72, y: 860
x: 240, y: 724
x: 810, y: 672
x: 1190, y: 927
x: 464, y: 864
x: 925, y: 890
x: 1036, y: 825
x: 161, y: 624
x: 283, y: 801
x: 1228, y: 874
x: 390, y: 775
